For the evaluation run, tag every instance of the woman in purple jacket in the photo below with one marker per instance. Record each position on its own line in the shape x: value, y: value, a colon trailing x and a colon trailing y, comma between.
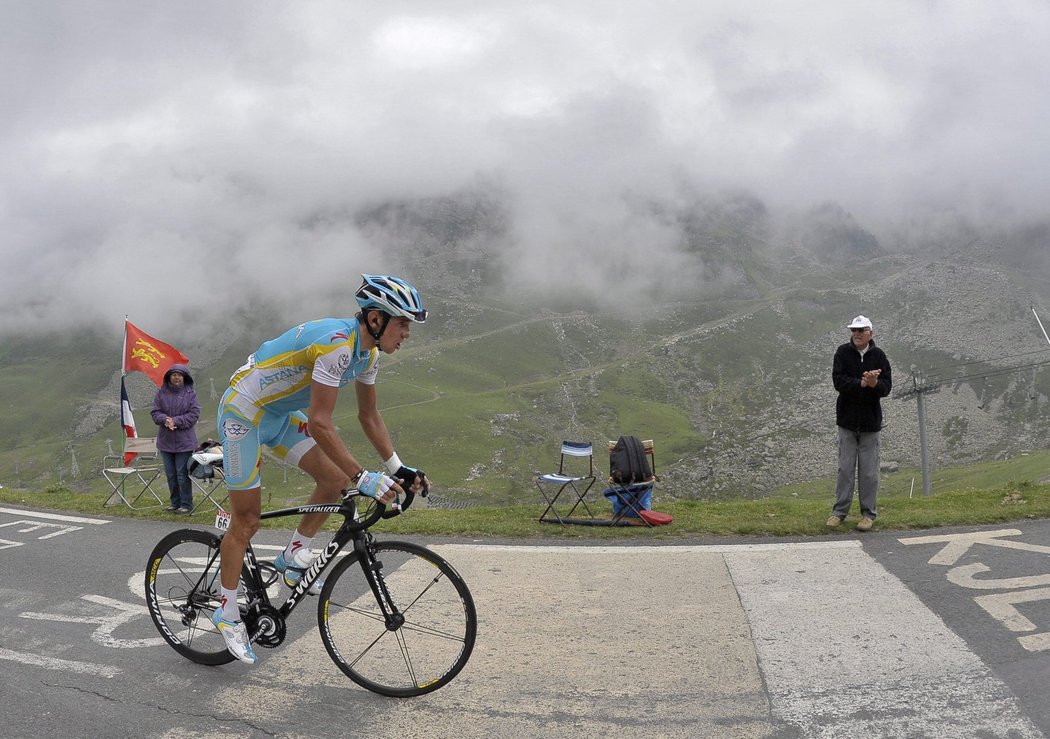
x: 175, y: 411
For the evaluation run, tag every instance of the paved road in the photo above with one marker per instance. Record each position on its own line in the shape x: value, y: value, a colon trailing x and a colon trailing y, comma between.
x: 924, y: 634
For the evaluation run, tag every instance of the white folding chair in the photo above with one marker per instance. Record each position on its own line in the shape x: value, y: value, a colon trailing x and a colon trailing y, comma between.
x: 129, y: 482
x: 553, y: 484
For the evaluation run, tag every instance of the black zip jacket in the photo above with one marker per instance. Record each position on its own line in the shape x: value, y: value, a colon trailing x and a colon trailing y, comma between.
x: 858, y: 408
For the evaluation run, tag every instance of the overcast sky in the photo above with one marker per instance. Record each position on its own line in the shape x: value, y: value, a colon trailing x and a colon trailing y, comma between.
x: 140, y: 141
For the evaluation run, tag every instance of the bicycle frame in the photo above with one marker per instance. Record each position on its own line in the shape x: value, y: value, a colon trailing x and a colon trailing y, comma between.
x: 352, y: 530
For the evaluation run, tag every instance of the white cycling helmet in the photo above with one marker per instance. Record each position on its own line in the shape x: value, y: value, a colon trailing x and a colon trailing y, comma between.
x: 392, y: 295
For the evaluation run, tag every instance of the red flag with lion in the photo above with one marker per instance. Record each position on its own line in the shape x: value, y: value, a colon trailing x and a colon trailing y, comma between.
x: 143, y: 353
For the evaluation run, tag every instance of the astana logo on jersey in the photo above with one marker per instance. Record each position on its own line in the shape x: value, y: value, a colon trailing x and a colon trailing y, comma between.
x: 279, y: 375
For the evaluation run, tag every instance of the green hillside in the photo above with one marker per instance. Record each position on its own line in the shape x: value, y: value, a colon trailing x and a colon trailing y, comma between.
x: 727, y: 389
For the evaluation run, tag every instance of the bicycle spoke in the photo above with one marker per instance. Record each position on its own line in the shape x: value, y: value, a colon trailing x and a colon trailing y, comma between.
x: 368, y: 649
x: 431, y: 631
x: 375, y: 616
x: 433, y: 582
x: 406, y: 656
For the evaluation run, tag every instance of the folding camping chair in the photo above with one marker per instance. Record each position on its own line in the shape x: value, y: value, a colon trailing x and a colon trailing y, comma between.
x: 129, y: 482
x: 208, y: 476
x: 632, y: 501
x: 573, y: 454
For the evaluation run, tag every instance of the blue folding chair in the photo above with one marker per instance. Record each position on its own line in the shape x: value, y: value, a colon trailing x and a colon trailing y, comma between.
x: 554, y: 484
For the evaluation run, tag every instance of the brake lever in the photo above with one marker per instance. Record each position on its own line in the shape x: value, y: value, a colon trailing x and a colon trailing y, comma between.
x: 398, y: 507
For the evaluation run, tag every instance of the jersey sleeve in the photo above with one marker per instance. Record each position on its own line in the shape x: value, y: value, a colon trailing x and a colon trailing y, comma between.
x: 368, y: 377
x: 329, y: 366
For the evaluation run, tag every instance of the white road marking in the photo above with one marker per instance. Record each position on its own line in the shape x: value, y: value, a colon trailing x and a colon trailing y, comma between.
x: 117, y: 614
x: 54, y: 516
x: 963, y: 576
x: 30, y: 526
x: 956, y: 545
x: 1000, y: 606
x: 53, y: 663
x: 1035, y: 642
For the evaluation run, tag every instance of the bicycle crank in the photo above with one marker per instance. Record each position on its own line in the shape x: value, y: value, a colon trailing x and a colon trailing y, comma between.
x: 266, y: 625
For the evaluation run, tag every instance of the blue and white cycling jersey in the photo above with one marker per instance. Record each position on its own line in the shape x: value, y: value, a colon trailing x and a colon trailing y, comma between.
x: 277, y: 376
x: 265, y: 401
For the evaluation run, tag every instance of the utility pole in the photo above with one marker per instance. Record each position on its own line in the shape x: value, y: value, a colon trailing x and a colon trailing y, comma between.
x: 924, y: 449
x: 919, y: 391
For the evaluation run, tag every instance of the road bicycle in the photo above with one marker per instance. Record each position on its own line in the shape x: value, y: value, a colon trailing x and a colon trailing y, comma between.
x: 394, y: 616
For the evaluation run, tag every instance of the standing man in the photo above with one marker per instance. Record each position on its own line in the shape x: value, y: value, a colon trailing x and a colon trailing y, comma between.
x: 861, y: 375
x: 284, y: 398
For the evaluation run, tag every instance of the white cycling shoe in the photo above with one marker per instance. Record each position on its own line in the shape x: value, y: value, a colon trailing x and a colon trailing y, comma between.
x: 236, y: 637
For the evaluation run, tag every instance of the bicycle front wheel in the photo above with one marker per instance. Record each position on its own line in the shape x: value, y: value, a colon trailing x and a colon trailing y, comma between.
x: 182, y: 592
x: 418, y: 656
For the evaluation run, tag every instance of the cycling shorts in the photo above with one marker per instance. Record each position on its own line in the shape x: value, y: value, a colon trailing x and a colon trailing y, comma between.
x: 244, y: 428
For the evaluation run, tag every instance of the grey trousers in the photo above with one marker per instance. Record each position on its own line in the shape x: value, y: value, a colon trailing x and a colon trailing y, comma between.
x: 858, y: 463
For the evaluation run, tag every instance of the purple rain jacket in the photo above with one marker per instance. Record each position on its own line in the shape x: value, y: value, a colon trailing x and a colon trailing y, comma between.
x: 182, y: 405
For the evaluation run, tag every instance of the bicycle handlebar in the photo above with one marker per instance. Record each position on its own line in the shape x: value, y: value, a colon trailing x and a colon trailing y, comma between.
x: 382, y: 510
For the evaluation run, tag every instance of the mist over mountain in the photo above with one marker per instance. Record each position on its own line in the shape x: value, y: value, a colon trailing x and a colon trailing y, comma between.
x: 725, y: 363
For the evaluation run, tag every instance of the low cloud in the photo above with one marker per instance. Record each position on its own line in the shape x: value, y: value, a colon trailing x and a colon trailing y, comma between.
x: 189, y: 158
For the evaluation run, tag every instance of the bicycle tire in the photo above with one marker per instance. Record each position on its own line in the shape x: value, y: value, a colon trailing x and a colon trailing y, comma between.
x: 423, y: 654
x: 182, y: 592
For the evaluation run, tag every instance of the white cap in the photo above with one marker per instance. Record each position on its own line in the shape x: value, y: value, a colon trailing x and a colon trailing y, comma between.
x: 859, y: 322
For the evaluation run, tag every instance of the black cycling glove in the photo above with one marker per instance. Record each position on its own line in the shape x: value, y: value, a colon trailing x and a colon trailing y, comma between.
x: 406, y: 477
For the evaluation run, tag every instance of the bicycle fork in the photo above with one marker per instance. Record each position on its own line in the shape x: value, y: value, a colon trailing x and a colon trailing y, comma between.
x: 373, y: 569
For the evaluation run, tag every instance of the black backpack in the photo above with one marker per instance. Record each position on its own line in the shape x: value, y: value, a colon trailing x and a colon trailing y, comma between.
x: 627, y: 462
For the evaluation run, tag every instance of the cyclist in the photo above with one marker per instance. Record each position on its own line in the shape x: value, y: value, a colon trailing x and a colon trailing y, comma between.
x: 303, y: 370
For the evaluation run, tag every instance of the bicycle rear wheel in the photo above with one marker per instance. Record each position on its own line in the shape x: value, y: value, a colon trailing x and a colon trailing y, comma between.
x: 421, y: 655
x: 182, y: 591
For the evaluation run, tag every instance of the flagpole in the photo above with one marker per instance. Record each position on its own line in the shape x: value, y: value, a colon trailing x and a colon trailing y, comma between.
x: 124, y: 348
x: 127, y: 424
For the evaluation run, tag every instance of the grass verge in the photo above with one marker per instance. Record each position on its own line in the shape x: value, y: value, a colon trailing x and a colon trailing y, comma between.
x: 776, y: 516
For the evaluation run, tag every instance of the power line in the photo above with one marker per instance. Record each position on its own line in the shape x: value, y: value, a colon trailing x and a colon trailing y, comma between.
x: 933, y: 381
x: 934, y: 370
